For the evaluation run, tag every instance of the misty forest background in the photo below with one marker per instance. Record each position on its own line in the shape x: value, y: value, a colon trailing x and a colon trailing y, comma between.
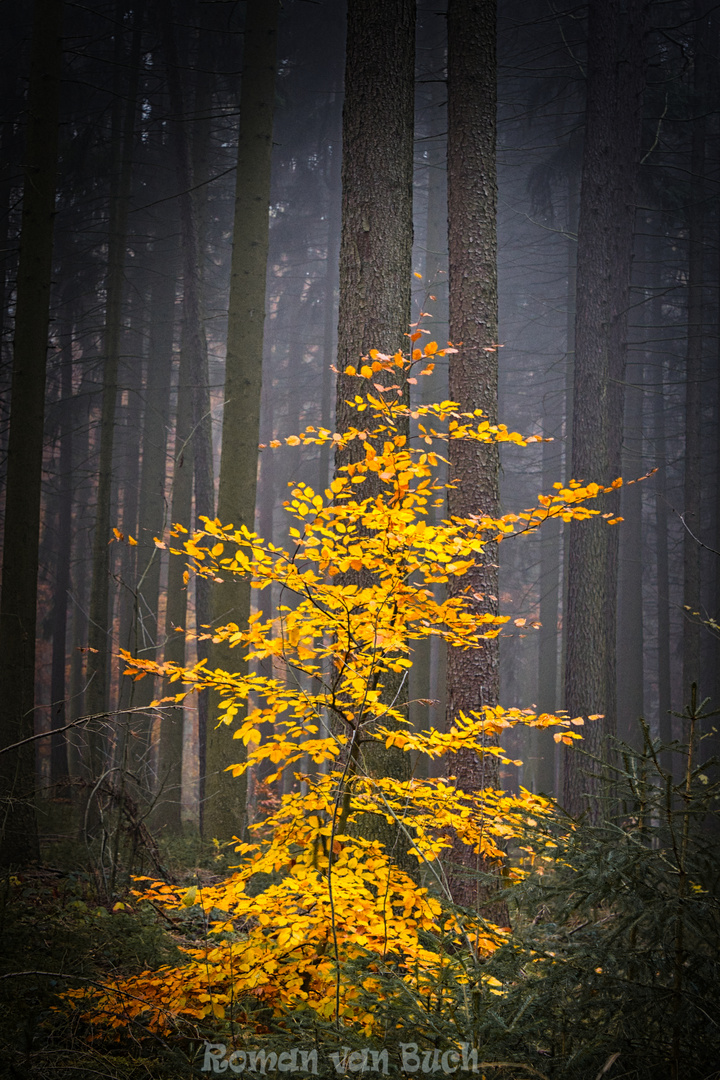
x: 137, y: 142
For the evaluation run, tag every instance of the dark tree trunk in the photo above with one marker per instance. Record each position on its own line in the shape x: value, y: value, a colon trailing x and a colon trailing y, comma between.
x: 377, y: 226
x: 170, y: 753
x: 196, y: 344
x: 123, y: 122
x: 694, y: 367
x: 376, y: 243
x: 18, y: 824
x: 615, y: 81
x: 656, y: 375
x: 153, y: 513
x: 473, y: 675
x: 226, y: 795
x: 59, y: 770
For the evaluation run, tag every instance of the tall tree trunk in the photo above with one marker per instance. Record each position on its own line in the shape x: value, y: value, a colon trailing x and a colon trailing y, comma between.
x: 694, y: 365
x: 59, y: 770
x: 154, y: 508
x: 377, y: 228
x: 196, y: 344
x: 376, y: 245
x: 615, y: 80
x: 542, y: 773
x: 226, y: 796
x: 656, y: 376
x: 473, y: 675
x: 630, y: 622
x: 18, y: 824
x: 170, y: 751
x: 123, y: 123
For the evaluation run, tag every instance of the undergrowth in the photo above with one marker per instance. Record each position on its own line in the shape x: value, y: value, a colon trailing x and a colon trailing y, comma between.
x: 613, y: 963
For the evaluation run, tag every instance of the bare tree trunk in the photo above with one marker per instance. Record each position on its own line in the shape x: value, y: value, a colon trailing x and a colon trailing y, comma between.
x: 18, y: 824
x: 662, y: 561
x: 225, y: 805
x: 473, y: 675
x: 377, y: 229
x: 59, y: 769
x: 376, y: 249
x: 630, y: 622
x: 123, y: 122
x: 170, y: 754
x: 196, y: 344
x: 154, y: 509
x: 607, y: 206
x: 694, y: 365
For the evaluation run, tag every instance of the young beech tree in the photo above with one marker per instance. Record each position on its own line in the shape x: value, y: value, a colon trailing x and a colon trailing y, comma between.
x: 318, y: 919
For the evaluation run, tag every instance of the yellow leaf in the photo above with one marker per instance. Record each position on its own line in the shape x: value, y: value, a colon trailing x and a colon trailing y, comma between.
x: 190, y: 897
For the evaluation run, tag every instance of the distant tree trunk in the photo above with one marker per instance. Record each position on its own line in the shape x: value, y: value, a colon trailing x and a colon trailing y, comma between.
x: 611, y: 150
x: 225, y: 795
x: 131, y: 751
x: 630, y: 621
x: 153, y: 512
x: 80, y: 578
x: 694, y: 366
x: 59, y: 770
x: 656, y: 376
x: 18, y: 825
x: 541, y: 776
x: 170, y: 752
x: 195, y: 342
x: 123, y: 122
x: 473, y: 675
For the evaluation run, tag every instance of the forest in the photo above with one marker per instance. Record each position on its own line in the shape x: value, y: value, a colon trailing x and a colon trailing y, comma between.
x: 360, y: 595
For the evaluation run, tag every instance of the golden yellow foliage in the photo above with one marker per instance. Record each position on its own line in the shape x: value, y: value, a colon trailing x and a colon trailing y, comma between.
x: 336, y: 899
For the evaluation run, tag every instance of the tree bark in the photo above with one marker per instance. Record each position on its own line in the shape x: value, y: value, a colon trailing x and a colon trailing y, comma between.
x: 694, y: 366
x: 18, y: 824
x: 615, y: 81
x: 153, y: 512
x: 225, y: 805
x: 123, y: 122
x: 196, y: 344
x: 377, y: 225
x: 170, y: 752
x: 59, y: 770
x: 376, y: 250
x: 473, y: 675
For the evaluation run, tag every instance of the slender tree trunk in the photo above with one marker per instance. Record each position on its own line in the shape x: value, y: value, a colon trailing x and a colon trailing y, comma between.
x: 541, y: 743
x: 694, y: 367
x: 123, y: 122
x: 131, y: 751
x: 656, y: 376
x: 607, y: 206
x: 170, y: 755
x: 18, y: 824
x: 154, y: 510
x: 225, y: 806
x: 630, y: 622
x: 80, y: 578
x: 59, y: 770
x: 195, y: 342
